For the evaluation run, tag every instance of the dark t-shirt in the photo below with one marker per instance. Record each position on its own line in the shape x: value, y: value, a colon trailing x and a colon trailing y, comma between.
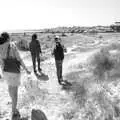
x: 59, y: 52
x: 35, y: 47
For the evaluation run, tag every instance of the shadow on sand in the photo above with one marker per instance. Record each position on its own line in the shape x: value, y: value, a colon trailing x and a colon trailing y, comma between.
x: 20, y: 118
x: 42, y: 76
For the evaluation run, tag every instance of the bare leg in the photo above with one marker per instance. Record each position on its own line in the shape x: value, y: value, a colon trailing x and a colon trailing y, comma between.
x: 13, y: 92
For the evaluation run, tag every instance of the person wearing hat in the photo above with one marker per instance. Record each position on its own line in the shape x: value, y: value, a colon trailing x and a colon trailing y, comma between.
x: 58, y: 52
x: 35, y: 50
x: 11, y: 77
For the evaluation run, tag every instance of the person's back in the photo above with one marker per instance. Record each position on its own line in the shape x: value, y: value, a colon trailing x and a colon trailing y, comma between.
x: 34, y: 46
x: 35, y: 50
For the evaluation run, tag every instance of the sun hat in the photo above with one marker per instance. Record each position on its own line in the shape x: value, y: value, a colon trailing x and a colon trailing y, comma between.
x: 57, y: 38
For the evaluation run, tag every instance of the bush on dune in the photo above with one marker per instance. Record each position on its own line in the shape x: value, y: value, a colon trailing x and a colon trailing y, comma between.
x: 80, y: 94
x: 101, y: 62
x: 114, y: 46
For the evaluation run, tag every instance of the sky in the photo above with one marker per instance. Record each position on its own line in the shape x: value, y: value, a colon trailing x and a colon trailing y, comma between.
x: 39, y: 14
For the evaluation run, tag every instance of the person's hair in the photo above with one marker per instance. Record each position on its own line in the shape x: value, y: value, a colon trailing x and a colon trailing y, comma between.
x: 5, y: 37
x: 34, y: 36
x: 1, y: 40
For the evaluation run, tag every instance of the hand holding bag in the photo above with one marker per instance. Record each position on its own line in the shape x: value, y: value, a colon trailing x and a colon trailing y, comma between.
x: 11, y: 64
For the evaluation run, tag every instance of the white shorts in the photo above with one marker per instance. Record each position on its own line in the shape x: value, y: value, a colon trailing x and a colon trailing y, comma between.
x: 12, y: 79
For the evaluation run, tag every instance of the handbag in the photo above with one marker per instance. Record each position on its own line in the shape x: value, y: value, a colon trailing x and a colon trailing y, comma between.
x: 11, y: 64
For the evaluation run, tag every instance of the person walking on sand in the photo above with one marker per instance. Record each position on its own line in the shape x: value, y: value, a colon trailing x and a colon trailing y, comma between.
x: 58, y: 52
x: 10, y: 64
x: 35, y: 50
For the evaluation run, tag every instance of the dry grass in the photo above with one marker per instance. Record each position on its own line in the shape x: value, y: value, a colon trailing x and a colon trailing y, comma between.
x: 101, y: 63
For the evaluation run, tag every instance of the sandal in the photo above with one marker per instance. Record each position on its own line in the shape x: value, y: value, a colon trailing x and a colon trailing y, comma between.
x: 65, y: 83
x: 68, y: 83
x: 62, y: 82
x: 15, y: 114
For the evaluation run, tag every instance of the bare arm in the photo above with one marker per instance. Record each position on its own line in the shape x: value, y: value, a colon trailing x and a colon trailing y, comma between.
x: 1, y: 63
x: 17, y: 55
x: 30, y: 46
x: 53, y: 51
x: 64, y: 48
x: 39, y: 47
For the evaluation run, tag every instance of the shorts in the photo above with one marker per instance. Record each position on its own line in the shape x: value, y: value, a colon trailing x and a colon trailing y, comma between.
x: 12, y: 79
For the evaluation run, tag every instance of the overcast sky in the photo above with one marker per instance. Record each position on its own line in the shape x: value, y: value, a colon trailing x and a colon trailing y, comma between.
x: 37, y: 14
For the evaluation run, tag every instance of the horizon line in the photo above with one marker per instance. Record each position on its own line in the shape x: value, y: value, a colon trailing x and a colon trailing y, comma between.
x: 28, y: 30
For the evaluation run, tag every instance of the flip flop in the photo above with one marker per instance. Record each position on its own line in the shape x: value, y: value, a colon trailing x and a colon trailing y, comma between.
x: 62, y: 83
x: 15, y: 114
x: 68, y: 83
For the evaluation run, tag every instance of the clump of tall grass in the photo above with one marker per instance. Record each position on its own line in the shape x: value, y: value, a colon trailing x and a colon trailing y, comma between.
x: 114, y: 46
x: 80, y: 93
x: 68, y: 115
x: 31, y: 92
x: 101, y: 62
x: 23, y: 45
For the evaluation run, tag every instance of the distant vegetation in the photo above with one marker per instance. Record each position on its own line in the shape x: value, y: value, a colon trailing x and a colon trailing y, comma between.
x: 46, y: 36
x: 115, y: 28
x: 77, y: 29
